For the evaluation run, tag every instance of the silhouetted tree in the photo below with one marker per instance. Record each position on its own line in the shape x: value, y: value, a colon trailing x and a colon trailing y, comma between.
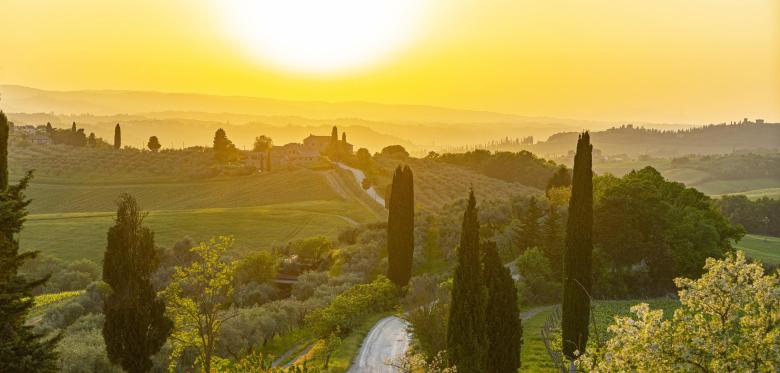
x: 21, y: 349
x: 154, y: 144
x: 224, y: 150
x: 264, y: 144
x: 504, y: 327
x: 578, y: 253
x: 92, y: 140
x: 117, y: 137
x: 135, y: 326
x: 400, y: 227
x: 528, y: 234
x: 467, y: 341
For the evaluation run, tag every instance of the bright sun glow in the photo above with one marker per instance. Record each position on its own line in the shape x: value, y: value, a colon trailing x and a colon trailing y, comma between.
x: 318, y: 36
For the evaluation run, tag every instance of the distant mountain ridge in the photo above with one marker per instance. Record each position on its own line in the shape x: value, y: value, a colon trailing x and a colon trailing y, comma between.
x: 105, y: 102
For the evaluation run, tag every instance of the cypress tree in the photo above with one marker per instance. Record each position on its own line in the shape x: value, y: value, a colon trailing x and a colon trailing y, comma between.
x: 504, y: 327
x: 117, y: 137
x: 135, y: 326
x: 467, y: 340
x: 528, y: 233
x: 400, y: 227
x: 578, y: 253
x: 21, y: 349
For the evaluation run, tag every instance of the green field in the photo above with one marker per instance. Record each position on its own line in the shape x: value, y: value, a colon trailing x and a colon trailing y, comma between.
x: 69, y: 216
x: 763, y: 248
x: 533, y: 354
x: 83, y: 235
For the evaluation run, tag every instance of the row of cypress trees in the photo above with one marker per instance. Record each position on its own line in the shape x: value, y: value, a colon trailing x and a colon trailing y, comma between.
x: 484, y: 332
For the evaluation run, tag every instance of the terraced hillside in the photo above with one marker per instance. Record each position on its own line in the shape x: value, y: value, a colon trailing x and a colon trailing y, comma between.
x: 437, y: 183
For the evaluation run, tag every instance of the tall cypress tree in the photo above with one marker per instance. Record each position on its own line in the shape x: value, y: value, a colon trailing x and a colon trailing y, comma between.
x: 117, y: 137
x: 467, y: 341
x: 578, y: 253
x: 21, y: 350
x: 400, y: 227
x: 504, y: 327
x: 135, y: 326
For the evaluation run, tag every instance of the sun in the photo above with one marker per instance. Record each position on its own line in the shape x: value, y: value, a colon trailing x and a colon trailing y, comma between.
x: 323, y: 36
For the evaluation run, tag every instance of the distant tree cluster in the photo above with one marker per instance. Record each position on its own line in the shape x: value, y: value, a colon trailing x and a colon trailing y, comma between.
x: 523, y: 167
x: 649, y: 230
x: 73, y: 136
x: 761, y: 216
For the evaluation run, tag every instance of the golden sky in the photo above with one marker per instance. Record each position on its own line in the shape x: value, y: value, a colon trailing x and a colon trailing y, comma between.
x: 693, y: 61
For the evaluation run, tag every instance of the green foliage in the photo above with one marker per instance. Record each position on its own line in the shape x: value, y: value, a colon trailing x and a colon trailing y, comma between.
x: 761, y: 216
x: 528, y: 233
x: 224, y: 149
x: 523, y: 167
x: 539, y: 285
x: 21, y: 349
x: 577, y: 272
x: 259, y: 363
x: 135, y: 326
x: 427, y: 307
x: 82, y: 349
x: 727, y: 321
x: 351, y: 307
x: 561, y: 178
x: 652, y: 230
x: 466, y: 333
x: 197, y: 299
x: 400, y: 227
x: 503, y: 324
x: 552, y: 239
x: 257, y: 267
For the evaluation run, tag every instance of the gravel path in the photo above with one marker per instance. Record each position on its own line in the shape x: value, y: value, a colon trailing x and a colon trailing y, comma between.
x: 387, y: 340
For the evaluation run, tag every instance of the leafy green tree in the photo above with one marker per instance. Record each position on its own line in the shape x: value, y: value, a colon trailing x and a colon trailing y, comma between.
x: 727, y: 322
x: 21, y: 349
x: 117, y: 137
x: 400, y: 227
x: 503, y: 324
x: 197, y: 300
x: 646, y: 222
x: 135, y: 326
x: 467, y: 339
x: 257, y: 267
x: 561, y: 178
x: 153, y: 144
x: 578, y: 253
x: 552, y: 240
x: 528, y: 233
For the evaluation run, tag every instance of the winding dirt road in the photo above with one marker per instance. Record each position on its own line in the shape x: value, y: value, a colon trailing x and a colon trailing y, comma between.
x: 387, y: 340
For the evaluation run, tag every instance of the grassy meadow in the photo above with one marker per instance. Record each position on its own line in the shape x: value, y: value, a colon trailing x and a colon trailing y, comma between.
x: 763, y: 248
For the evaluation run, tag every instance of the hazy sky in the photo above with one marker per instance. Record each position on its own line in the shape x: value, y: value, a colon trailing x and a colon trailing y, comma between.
x: 641, y: 60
